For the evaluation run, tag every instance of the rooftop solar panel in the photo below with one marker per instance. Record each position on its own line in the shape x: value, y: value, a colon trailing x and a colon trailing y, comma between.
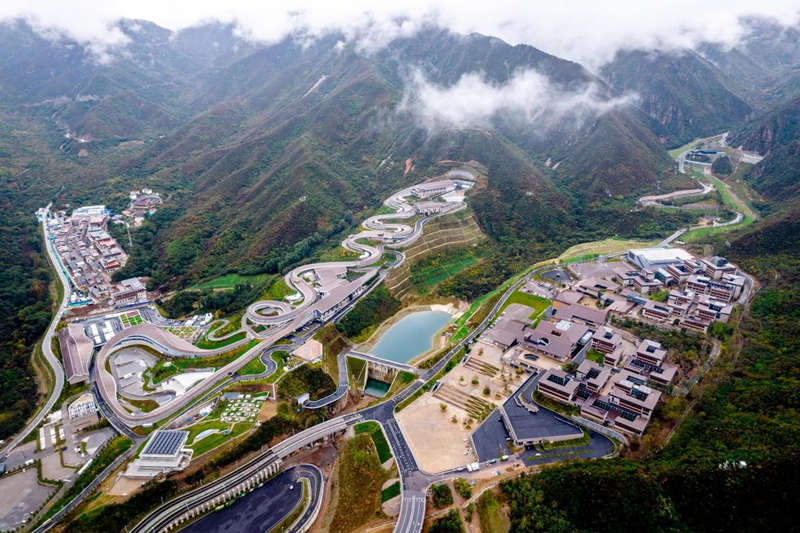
x: 165, y: 442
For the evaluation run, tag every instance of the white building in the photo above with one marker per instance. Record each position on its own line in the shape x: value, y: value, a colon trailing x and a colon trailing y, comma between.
x: 89, y: 211
x: 657, y: 257
x: 82, y: 407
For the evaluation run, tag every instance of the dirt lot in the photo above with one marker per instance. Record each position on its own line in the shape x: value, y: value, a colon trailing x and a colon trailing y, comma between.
x: 124, y: 486
x: 424, y: 419
x: 268, y: 410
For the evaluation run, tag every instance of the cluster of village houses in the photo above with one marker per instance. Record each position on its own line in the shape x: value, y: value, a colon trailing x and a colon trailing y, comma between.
x: 144, y: 202
x: 621, y: 390
x: 90, y: 255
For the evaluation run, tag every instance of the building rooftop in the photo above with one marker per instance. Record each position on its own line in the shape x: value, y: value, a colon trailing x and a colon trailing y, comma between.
x: 608, y: 335
x: 569, y: 297
x: 580, y: 312
x: 505, y: 331
x: 76, y: 351
x: 165, y: 442
x: 651, y: 349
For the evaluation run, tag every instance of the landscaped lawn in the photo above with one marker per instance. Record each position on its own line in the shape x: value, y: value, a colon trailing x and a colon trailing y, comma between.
x: 201, y: 426
x: 131, y: 319
x: 217, y: 439
x: 538, y: 303
x: 253, y: 367
x: 594, y: 355
x: 208, y: 344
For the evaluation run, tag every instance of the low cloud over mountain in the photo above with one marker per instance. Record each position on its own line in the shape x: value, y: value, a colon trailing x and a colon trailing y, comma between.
x: 584, y: 31
x: 527, y: 95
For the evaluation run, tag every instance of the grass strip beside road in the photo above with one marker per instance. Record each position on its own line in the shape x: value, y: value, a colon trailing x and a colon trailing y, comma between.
x: 228, y: 281
x: 361, y: 477
x: 731, y: 201
x: 390, y: 492
x: 378, y: 438
x: 208, y: 344
x: 256, y: 366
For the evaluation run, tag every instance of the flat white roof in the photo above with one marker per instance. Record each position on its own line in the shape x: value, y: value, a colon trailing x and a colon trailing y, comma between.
x: 657, y: 255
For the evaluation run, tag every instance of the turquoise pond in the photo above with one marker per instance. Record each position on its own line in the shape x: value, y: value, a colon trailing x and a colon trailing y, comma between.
x: 411, y: 336
x: 376, y: 388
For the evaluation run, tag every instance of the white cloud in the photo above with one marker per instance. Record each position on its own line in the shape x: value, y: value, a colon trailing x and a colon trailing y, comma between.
x: 528, y: 96
x: 583, y: 30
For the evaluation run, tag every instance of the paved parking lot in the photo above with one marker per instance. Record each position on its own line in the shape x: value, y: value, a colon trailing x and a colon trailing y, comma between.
x: 20, y: 494
x: 490, y: 438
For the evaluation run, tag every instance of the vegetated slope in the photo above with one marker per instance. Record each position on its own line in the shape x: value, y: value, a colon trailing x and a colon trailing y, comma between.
x: 776, y: 135
x: 733, y: 464
x: 686, y: 95
x: 615, y: 154
x: 304, y: 140
x: 130, y: 90
x: 762, y: 65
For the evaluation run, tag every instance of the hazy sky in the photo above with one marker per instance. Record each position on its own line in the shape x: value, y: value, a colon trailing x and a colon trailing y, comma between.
x: 588, y: 31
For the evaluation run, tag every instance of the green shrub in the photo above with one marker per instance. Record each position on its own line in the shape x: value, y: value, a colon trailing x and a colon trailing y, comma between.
x: 462, y: 487
x: 442, y: 495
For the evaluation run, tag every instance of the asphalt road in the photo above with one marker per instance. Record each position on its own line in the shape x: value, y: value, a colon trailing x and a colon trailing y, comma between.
x: 267, y: 506
x: 52, y: 360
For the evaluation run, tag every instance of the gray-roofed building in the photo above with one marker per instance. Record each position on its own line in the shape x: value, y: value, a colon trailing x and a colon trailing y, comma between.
x: 596, y: 286
x: 593, y: 376
x: 605, y: 340
x: 164, y: 452
x: 580, y: 313
x: 432, y: 188
x: 429, y: 207
x: 130, y: 291
x: 558, y: 385
x: 509, y: 328
x: 613, y: 358
x: 657, y: 311
x: 717, y: 266
x: 505, y: 333
x: 651, y: 352
x: 561, y: 341
x: 76, y: 351
x: 569, y: 297
x: 340, y: 296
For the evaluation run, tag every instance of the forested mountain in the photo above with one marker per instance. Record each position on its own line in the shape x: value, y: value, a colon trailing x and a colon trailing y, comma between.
x: 269, y: 152
x: 763, y: 65
x: 292, y: 143
x: 684, y: 94
x: 775, y: 135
